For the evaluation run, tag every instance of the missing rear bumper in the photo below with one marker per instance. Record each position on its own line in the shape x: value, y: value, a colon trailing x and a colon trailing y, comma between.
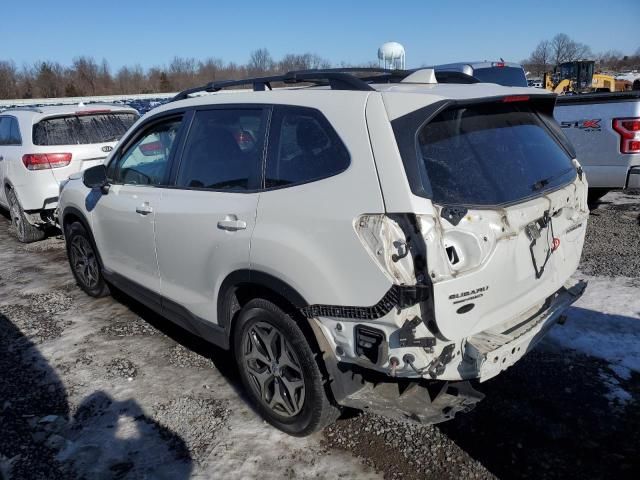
x: 489, y: 353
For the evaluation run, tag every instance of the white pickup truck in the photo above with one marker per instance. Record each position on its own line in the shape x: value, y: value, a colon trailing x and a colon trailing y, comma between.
x: 604, y: 129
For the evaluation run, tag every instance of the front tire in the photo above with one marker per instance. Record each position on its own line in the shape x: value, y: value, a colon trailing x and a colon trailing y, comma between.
x: 279, y: 370
x: 84, y: 262
x: 26, y: 232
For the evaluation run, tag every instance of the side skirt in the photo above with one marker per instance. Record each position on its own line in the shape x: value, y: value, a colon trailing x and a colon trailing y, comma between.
x: 171, y: 310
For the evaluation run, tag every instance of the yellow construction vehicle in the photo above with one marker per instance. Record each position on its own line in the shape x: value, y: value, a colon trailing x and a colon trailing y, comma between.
x: 578, y: 77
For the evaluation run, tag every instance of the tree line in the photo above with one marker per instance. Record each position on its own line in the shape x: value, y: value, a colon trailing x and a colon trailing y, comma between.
x: 561, y: 48
x: 87, y: 77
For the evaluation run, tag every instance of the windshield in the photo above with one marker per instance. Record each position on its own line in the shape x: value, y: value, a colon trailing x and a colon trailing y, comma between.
x: 507, y: 76
x: 491, y: 154
x: 82, y: 129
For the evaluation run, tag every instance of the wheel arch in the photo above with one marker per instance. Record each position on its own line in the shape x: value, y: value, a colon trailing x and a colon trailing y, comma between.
x: 71, y: 215
x: 241, y: 286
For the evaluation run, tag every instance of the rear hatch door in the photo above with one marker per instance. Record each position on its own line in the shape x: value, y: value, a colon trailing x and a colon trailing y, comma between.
x: 89, y: 135
x: 508, y: 210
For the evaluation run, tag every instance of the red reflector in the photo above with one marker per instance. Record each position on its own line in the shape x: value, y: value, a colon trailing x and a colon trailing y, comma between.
x: 634, y: 146
x: 498, y: 64
x: 41, y: 161
x: 91, y: 112
x: 556, y: 244
x: 515, y: 98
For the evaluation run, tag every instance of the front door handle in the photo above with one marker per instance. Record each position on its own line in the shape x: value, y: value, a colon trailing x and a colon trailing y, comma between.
x: 232, y: 224
x: 144, y: 209
x: 1, y: 158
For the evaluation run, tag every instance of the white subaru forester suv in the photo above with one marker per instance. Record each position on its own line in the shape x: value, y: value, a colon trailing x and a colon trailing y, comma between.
x: 375, y: 242
x: 41, y: 146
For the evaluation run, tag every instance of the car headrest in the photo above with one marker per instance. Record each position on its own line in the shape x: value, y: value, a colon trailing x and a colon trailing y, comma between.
x: 310, y: 135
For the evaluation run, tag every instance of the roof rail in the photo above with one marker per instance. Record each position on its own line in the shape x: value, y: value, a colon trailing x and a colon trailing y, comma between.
x: 336, y: 79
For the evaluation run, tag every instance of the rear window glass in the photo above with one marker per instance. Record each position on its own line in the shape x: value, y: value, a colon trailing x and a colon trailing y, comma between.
x: 491, y: 154
x: 508, y: 76
x: 82, y: 129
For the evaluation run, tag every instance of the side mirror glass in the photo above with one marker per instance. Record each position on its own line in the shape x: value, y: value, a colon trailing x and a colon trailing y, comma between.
x: 95, y: 177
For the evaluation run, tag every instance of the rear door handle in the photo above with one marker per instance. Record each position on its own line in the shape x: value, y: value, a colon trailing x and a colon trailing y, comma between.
x: 232, y: 224
x: 1, y: 158
x: 144, y: 209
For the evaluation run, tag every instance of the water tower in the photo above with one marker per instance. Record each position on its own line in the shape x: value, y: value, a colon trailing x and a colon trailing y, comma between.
x: 391, y: 55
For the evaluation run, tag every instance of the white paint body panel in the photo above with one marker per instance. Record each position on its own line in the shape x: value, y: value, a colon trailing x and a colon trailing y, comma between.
x: 125, y: 238
x: 193, y: 275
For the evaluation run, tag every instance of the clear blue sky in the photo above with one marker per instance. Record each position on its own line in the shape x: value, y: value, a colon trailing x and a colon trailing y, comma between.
x: 152, y: 33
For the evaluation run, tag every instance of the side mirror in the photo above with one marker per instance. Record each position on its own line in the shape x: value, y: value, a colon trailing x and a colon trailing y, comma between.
x: 96, y: 177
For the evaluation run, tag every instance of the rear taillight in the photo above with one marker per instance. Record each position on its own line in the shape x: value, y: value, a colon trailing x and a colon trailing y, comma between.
x: 629, y: 131
x: 42, y: 161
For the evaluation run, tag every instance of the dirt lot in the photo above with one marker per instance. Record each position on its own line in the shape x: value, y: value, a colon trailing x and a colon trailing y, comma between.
x: 106, y: 389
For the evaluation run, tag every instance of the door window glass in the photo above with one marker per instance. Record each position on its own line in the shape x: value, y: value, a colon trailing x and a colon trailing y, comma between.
x: 146, y: 162
x: 223, y: 150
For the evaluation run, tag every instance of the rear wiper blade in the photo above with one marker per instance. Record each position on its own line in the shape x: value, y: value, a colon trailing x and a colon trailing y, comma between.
x: 540, y: 184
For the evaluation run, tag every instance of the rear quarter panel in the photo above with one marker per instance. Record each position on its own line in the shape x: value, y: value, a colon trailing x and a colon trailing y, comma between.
x: 305, y: 234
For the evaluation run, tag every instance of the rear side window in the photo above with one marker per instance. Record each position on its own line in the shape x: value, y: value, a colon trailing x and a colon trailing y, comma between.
x: 82, y: 129
x: 9, y: 131
x: 223, y: 150
x: 490, y: 154
x: 303, y: 147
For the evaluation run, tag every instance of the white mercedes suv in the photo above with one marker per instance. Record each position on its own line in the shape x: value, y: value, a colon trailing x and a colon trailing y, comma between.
x: 375, y: 241
x: 41, y: 146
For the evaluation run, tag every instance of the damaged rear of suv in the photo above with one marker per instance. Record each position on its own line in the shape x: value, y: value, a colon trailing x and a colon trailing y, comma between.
x: 480, y: 239
x: 375, y: 243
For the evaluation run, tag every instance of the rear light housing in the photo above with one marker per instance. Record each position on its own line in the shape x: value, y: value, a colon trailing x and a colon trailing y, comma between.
x: 515, y: 98
x: 44, y: 161
x: 629, y: 131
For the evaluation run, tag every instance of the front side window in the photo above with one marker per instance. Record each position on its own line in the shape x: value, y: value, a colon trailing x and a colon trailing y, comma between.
x: 223, y: 150
x: 491, y: 154
x: 303, y: 147
x: 146, y: 162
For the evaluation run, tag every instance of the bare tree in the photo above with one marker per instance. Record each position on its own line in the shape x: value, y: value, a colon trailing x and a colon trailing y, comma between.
x: 539, y: 61
x: 8, y: 80
x: 85, y: 75
x: 260, y: 62
x: 564, y: 49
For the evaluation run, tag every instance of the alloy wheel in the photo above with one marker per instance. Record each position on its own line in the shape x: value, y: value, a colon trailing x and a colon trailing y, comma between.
x: 273, y: 369
x: 84, y: 261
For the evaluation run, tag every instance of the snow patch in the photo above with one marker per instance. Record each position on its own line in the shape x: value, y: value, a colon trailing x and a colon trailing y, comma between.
x: 605, y: 323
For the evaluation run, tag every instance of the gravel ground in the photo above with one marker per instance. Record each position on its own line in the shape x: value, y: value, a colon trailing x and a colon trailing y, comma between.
x: 106, y: 389
x: 613, y: 237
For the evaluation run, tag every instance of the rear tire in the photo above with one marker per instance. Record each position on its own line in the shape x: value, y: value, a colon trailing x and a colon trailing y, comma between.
x: 84, y: 262
x: 279, y: 370
x: 26, y: 232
